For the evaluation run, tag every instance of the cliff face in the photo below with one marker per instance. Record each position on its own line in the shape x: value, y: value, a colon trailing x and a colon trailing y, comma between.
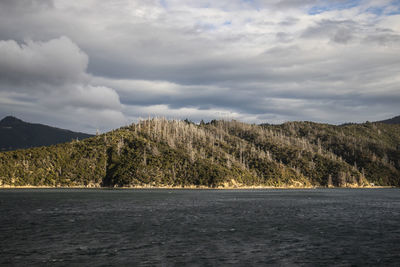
x: 158, y: 152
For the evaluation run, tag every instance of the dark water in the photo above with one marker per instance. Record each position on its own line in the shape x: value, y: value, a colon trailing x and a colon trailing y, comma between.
x: 61, y: 227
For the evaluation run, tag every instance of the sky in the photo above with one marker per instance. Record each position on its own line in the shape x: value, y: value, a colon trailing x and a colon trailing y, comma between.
x: 87, y: 65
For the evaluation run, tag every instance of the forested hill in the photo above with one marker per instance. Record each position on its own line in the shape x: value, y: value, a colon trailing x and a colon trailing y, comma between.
x: 159, y: 152
x: 394, y: 120
x: 17, y: 134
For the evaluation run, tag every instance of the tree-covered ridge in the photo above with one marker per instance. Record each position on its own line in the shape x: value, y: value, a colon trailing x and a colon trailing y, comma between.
x: 372, y: 148
x: 394, y: 120
x: 17, y: 134
x: 158, y: 152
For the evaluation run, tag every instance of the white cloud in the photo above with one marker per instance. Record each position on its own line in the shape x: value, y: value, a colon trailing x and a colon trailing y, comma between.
x: 49, y: 78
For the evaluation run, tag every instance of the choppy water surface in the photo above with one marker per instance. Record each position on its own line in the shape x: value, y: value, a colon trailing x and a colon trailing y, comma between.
x: 199, y: 227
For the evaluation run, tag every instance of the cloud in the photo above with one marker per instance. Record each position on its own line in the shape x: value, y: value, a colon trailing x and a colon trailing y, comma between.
x: 341, y: 31
x: 54, y: 62
x: 50, y: 77
x: 21, y: 5
x: 255, y: 60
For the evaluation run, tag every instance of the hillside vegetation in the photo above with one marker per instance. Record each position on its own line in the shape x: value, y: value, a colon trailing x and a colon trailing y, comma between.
x: 158, y: 152
x: 394, y: 120
x: 17, y: 134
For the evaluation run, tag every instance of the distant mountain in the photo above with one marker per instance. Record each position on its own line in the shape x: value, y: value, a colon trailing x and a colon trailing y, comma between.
x: 17, y: 134
x: 394, y: 120
x: 158, y: 152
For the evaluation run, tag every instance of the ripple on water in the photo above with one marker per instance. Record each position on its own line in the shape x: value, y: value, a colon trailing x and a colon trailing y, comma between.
x: 206, y: 227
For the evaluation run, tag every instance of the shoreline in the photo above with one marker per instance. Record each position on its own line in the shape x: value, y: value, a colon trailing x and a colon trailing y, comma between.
x: 191, y: 187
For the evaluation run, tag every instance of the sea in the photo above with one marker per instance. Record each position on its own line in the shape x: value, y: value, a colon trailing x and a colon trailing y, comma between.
x: 178, y: 227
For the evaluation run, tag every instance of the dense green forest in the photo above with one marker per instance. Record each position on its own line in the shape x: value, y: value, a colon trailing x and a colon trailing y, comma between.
x: 160, y: 152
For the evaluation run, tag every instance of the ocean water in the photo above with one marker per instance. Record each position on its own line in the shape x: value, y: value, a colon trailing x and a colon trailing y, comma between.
x: 93, y: 227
